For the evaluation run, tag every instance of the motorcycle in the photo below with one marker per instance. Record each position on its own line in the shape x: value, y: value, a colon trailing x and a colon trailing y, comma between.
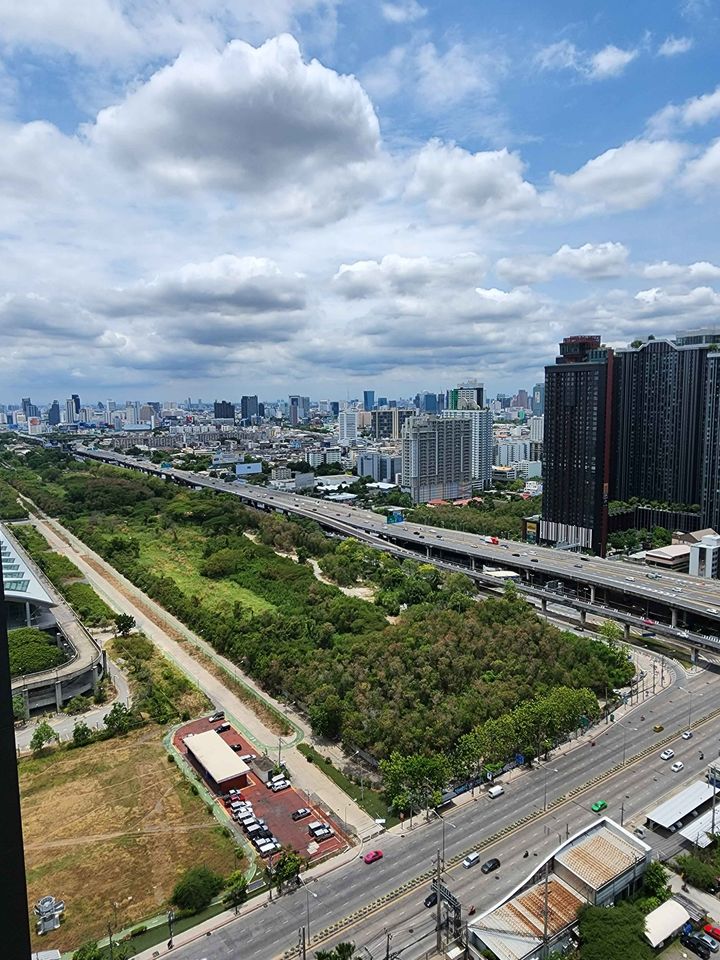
x: 471, y: 911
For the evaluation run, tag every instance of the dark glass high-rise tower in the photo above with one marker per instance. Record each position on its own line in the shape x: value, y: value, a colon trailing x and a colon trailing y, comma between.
x: 577, y: 444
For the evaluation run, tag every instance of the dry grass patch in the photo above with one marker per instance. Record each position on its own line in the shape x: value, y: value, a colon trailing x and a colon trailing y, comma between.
x: 113, y: 822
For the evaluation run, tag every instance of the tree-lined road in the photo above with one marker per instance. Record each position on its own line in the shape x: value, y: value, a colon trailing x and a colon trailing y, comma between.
x: 686, y: 595
x: 269, y: 930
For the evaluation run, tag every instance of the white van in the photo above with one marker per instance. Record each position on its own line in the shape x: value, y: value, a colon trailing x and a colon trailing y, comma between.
x: 496, y: 791
x: 471, y: 860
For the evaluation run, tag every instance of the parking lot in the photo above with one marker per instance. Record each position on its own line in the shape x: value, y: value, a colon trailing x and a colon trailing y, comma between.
x: 275, y: 808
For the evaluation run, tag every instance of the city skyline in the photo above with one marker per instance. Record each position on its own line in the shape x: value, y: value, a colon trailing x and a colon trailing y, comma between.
x: 397, y: 193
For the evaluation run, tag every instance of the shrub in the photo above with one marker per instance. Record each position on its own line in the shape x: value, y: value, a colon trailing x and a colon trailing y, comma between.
x: 32, y: 650
x: 195, y: 889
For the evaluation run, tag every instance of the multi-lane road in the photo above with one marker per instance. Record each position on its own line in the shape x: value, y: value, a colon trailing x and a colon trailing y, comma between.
x: 268, y: 931
x: 613, y: 584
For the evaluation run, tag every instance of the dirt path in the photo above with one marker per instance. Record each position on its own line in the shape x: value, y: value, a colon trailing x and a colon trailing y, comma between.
x: 178, y: 644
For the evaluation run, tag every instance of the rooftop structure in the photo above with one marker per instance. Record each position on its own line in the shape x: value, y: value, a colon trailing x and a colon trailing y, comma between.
x: 595, y: 866
x: 18, y: 579
x: 216, y: 757
x: 675, y: 809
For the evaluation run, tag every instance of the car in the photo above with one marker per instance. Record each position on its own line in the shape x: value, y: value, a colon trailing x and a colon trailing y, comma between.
x: 431, y: 899
x: 667, y: 754
x: 687, y: 734
x: 470, y: 860
x: 598, y: 806
x: 658, y: 728
x: 372, y: 856
x: 301, y: 813
x: 677, y: 589
x: 712, y: 930
x: 578, y: 566
x: 492, y: 864
x: 534, y: 560
x: 279, y: 785
x: 713, y: 610
x: 677, y: 766
x: 648, y: 621
x: 709, y: 941
x: 630, y: 579
x: 696, y: 946
x: 216, y: 717
x: 223, y: 728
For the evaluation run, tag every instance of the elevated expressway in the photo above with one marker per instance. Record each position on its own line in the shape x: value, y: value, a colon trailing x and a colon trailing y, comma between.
x: 683, y: 610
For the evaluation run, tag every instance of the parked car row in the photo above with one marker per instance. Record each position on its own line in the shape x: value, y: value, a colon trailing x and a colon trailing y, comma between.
x: 319, y: 830
x: 704, y: 943
x: 256, y: 829
x: 277, y: 783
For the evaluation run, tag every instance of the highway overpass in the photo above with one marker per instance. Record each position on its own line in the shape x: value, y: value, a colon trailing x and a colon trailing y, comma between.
x: 675, y: 606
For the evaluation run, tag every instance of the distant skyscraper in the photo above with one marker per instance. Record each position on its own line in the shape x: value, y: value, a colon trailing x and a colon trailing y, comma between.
x: 368, y: 399
x: 436, y: 458
x: 248, y: 407
x: 76, y: 401
x: 29, y: 408
x: 382, y: 401
x: 522, y: 399
x: 334, y: 408
x: 379, y: 466
x: 224, y: 410
x: 387, y: 424
x: 54, y: 414
x: 347, y: 426
x: 577, y: 447
x: 70, y: 413
x: 537, y: 425
x: 470, y: 394
x: 301, y: 409
x: 537, y: 401
x: 481, y: 443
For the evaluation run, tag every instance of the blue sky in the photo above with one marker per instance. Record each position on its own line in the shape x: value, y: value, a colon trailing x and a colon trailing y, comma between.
x: 216, y: 197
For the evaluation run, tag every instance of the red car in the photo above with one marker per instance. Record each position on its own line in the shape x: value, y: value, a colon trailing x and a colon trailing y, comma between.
x: 648, y: 621
x: 713, y: 931
x: 372, y: 856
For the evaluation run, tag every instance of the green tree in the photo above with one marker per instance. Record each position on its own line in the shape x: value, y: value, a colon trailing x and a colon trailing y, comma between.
x: 655, y: 882
x: 286, y: 868
x: 195, y: 889
x: 119, y: 720
x: 235, y: 890
x: 82, y: 734
x: 696, y: 872
x: 343, y: 951
x: 43, y: 735
x: 89, y: 951
x: 415, y: 782
x: 613, y: 934
x: 611, y: 631
x: 124, y: 623
x: 18, y: 706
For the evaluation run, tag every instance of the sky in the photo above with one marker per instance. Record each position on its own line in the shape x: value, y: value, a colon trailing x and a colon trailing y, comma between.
x: 211, y: 198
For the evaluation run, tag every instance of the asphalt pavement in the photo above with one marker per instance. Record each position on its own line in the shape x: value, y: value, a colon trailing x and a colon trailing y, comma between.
x: 268, y: 930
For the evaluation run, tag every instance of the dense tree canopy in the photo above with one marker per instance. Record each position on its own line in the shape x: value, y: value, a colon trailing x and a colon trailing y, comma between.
x: 32, y: 650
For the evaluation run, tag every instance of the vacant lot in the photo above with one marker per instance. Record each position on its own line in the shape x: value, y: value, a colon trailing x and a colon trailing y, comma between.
x: 112, y: 823
x: 179, y: 555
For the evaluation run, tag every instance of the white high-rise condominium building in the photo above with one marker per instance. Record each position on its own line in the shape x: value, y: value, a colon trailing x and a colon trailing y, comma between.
x: 347, y: 425
x: 436, y: 458
x: 537, y: 428
x: 70, y: 411
x: 481, y: 442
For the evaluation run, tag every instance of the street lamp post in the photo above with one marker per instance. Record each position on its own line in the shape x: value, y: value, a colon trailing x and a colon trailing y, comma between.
x: 442, y: 823
x: 545, y: 771
x: 308, y: 894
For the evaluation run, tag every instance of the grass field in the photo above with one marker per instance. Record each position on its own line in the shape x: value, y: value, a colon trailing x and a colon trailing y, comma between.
x: 177, y: 553
x: 112, y: 823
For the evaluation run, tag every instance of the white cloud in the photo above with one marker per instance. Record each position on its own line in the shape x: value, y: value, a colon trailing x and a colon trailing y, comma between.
x: 700, y: 303
x: 407, y: 11
x: 623, y: 178
x: 610, y: 61
x: 589, y: 261
x: 248, y: 120
x: 405, y: 275
x: 487, y: 184
x: 674, y: 46
x: 435, y: 79
x: 701, y: 271
x: 697, y: 111
x: 118, y: 31
x: 705, y: 170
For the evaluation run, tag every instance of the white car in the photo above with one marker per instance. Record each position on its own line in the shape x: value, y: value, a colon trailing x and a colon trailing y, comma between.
x: 667, y: 754
x: 687, y: 735
x: 677, y: 766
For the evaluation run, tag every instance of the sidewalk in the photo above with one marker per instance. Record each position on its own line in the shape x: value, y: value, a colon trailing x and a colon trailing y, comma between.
x: 257, y: 903
x: 123, y: 596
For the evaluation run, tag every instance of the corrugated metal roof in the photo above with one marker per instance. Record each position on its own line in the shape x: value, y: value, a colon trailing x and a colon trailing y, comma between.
x: 599, y: 858
x: 216, y: 756
x: 699, y: 831
x: 682, y: 804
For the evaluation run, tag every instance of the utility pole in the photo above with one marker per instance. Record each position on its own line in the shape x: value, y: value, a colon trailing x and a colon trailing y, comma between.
x: 622, y: 812
x: 438, y: 912
x: 712, y: 773
x: 387, y: 946
x: 301, y: 944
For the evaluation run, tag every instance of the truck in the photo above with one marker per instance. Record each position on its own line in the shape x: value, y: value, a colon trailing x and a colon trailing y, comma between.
x: 493, y: 540
x: 501, y: 574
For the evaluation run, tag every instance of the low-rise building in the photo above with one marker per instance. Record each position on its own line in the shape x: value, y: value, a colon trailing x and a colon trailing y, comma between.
x: 675, y: 557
